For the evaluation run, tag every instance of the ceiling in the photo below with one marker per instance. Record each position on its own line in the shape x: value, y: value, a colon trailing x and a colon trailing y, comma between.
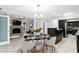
x: 47, y: 11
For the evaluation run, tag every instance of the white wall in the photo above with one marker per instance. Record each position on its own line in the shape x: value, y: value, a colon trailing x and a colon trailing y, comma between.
x: 52, y: 23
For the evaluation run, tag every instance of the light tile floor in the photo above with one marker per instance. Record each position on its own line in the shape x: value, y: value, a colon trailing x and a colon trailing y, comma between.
x: 67, y: 45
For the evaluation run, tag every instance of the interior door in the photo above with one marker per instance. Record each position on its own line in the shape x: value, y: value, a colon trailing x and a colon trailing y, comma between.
x: 4, y: 30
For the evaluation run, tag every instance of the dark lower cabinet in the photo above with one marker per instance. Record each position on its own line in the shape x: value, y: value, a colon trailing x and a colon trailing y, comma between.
x: 74, y: 32
x: 59, y: 36
x: 78, y: 44
x: 53, y: 32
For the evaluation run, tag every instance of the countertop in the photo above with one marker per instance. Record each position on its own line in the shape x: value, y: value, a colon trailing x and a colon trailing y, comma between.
x: 74, y: 28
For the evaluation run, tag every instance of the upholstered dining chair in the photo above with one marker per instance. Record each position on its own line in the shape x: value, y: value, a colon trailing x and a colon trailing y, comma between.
x: 51, y: 44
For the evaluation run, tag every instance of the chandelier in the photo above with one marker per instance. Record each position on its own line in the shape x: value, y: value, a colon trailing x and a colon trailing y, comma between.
x: 38, y: 15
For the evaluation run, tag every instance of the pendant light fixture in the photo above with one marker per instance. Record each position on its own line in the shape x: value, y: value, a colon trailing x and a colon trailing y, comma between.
x: 37, y: 21
x: 38, y: 14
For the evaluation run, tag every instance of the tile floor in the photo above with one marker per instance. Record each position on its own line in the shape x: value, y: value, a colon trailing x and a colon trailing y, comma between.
x: 67, y: 45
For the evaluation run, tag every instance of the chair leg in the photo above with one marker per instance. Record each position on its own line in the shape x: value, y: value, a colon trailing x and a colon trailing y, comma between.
x: 34, y: 49
x: 45, y: 48
x: 53, y: 49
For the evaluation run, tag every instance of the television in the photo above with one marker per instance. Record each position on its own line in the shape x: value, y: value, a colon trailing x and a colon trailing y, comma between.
x: 16, y: 22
